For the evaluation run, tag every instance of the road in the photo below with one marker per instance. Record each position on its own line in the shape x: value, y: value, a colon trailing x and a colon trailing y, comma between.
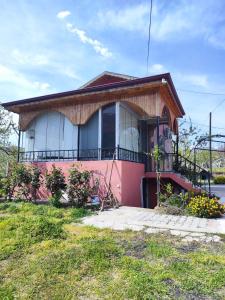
x: 219, y: 190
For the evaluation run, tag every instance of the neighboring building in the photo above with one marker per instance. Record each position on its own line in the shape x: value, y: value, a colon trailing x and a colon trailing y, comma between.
x: 112, y: 125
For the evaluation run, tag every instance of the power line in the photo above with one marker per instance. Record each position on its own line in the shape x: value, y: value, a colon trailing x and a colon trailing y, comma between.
x: 206, y: 93
x: 149, y: 33
x: 220, y: 103
x: 203, y: 125
x: 200, y: 92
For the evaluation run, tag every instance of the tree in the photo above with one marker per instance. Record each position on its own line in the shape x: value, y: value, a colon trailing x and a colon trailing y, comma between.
x: 7, y: 151
x: 189, y: 136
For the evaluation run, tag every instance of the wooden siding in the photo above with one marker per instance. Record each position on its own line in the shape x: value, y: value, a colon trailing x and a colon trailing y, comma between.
x: 145, y: 105
x: 147, y: 101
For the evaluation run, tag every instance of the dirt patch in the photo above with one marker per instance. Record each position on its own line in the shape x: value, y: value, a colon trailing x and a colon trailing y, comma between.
x: 136, y: 246
x: 177, y: 293
x: 190, y: 247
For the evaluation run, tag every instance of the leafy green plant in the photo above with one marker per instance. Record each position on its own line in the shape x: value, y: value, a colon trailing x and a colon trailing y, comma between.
x: 55, y: 183
x: 205, y: 207
x: 35, y: 181
x: 7, y: 187
x: 79, y: 187
x: 55, y: 199
x: 219, y: 179
x: 22, y: 181
x: 168, y: 197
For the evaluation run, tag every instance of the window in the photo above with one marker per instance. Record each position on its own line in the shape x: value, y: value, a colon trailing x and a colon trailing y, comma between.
x: 50, y: 131
x: 89, y: 138
x: 108, y: 127
x: 129, y: 135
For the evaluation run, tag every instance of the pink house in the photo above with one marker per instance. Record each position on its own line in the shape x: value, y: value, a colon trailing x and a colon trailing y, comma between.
x: 111, y: 125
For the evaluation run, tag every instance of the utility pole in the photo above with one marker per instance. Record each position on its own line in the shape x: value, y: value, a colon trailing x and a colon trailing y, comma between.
x: 210, y: 150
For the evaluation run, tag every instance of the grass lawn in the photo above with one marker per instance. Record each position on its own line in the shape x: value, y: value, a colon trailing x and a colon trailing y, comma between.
x: 45, y: 255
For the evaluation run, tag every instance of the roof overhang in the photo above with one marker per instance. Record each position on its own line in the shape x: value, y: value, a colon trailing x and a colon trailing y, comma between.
x: 88, y: 94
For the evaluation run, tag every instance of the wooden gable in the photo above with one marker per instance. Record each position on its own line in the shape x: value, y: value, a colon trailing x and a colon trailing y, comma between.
x: 107, y: 78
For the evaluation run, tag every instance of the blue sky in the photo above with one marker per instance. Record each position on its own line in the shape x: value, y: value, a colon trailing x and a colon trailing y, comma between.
x: 52, y: 46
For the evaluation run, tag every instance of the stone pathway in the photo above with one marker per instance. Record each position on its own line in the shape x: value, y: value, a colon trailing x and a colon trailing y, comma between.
x: 137, y: 219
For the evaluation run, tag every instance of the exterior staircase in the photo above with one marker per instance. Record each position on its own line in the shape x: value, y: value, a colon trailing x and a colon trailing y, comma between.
x: 183, y: 173
x: 192, y: 173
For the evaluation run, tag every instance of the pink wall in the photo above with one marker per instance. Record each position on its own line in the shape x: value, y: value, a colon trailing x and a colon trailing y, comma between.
x: 125, y: 179
x: 132, y: 174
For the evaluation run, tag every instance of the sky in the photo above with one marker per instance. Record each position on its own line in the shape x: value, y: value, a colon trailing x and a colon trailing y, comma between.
x: 53, y: 46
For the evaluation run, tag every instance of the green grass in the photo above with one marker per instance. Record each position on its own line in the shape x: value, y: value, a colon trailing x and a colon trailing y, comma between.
x: 45, y: 255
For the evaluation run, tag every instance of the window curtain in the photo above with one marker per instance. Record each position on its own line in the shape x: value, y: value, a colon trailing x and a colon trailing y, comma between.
x: 50, y: 131
x: 129, y: 135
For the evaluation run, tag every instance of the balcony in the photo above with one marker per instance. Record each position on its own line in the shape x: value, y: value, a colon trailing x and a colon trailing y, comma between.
x: 82, y: 155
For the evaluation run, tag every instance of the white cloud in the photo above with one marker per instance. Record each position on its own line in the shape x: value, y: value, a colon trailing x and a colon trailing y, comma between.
x: 200, y: 80
x: 217, y: 39
x: 15, y: 78
x: 165, y: 23
x: 29, y: 59
x: 68, y: 72
x: 178, y: 20
x: 97, y: 46
x: 133, y: 18
x: 63, y: 14
x: 157, y: 68
x: 41, y: 86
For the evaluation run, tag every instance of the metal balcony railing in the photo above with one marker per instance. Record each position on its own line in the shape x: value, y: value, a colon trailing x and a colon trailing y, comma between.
x: 82, y: 155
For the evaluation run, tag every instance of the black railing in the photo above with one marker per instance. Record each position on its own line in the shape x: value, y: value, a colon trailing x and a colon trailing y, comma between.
x: 128, y: 155
x: 172, y: 162
x: 197, y: 175
x: 83, y: 155
x: 48, y: 155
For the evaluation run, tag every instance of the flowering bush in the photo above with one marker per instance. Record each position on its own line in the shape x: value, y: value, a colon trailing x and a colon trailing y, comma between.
x: 205, y: 207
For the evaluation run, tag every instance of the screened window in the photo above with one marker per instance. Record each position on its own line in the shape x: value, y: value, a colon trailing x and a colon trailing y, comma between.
x: 108, y: 127
x: 89, y: 139
x: 50, y: 131
x: 129, y: 134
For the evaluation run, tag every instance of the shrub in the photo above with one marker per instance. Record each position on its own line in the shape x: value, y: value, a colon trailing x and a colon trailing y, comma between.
x: 205, y: 207
x: 169, y: 198
x: 219, y: 179
x: 55, y: 183
x: 23, y: 180
x: 22, y: 177
x: 7, y: 187
x: 79, y: 187
x: 35, y: 181
x: 55, y: 199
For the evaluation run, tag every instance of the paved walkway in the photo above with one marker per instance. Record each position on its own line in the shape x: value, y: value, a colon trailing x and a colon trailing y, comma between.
x: 219, y: 190
x: 148, y: 220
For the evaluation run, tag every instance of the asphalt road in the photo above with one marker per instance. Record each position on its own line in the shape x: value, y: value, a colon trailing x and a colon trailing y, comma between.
x: 219, y: 190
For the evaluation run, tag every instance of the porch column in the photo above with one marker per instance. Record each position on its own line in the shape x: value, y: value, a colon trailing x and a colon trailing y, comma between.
x: 100, y: 134
x: 117, y: 143
x: 157, y: 139
x: 78, y: 141
x: 18, y: 148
